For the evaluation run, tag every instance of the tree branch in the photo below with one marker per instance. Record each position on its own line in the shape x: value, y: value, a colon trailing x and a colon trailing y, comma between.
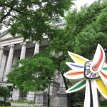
x: 12, y: 8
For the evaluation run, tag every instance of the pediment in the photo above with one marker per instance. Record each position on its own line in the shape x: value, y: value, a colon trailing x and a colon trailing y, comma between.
x: 5, y: 35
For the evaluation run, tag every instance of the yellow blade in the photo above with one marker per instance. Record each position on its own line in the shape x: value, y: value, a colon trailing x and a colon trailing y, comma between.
x: 77, y: 58
x: 102, y: 88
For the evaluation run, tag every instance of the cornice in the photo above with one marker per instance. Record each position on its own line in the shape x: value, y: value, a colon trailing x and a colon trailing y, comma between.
x: 10, y: 41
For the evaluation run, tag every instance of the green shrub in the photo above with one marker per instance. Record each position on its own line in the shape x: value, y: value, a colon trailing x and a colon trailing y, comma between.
x: 103, y: 103
x: 3, y: 103
x: 4, y: 92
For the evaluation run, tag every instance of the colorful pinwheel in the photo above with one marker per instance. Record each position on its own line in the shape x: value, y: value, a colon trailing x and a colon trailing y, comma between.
x: 92, y: 75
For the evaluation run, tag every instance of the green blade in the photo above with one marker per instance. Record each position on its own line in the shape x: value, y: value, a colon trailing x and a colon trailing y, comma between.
x: 77, y: 87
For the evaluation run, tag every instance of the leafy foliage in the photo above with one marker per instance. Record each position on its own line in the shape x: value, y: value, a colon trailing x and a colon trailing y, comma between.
x: 84, y: 29
x: 4, y: 92
x: 93, y: 32
x: 34, y: 74
x: 32, y: 18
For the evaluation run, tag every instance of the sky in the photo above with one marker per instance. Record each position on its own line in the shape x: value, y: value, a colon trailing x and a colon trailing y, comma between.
x: 80, y: 3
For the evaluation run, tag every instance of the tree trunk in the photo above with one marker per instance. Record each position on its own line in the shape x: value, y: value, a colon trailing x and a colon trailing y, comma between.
x: 21, y: 94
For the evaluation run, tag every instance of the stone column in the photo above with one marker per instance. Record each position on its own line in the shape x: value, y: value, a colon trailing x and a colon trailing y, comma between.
x: 9, y: 60
x: 16, y: 92
x: 36, y: 50
x: 23, y: 51
x: 1, y: 54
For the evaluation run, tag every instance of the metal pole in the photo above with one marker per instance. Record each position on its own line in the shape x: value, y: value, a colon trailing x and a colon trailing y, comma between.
x: 48, y: 95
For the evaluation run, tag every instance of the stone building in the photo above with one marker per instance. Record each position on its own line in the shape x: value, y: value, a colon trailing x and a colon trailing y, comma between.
x: 13, y: 49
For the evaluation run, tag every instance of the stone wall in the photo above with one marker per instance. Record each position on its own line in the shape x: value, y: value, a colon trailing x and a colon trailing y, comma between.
x: 55, y: 96
x: 15, y: 94
x: 41, y: 98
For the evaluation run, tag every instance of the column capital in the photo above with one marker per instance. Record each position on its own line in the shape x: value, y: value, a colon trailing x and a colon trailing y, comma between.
x: 36, y: 41
x: 11, y: 46
x: 36, y: 49
x: 23, y: 50
x: 23, y: 43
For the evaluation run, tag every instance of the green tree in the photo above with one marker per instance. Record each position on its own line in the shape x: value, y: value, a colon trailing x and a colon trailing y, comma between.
x: 84, y: 29
x: 93, y: 32
x: 32, y: 18
x: 34, y: 74
x: 4, y: 92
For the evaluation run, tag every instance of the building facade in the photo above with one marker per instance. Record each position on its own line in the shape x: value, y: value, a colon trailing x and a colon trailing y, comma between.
x: 13, y: 49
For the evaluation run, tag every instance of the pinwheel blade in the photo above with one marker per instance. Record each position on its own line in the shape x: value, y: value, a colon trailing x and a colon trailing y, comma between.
x: 103, y: 76
x: 77, y: 87
x: 75, y: 66
x: 77, y: 58
x: 101, y: 87
x: 74, y: 74
x: 98, y: 60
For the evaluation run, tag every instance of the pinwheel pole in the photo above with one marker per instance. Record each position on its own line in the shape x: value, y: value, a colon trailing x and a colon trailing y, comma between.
x: 91, y: 97
x: 92, y: 75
